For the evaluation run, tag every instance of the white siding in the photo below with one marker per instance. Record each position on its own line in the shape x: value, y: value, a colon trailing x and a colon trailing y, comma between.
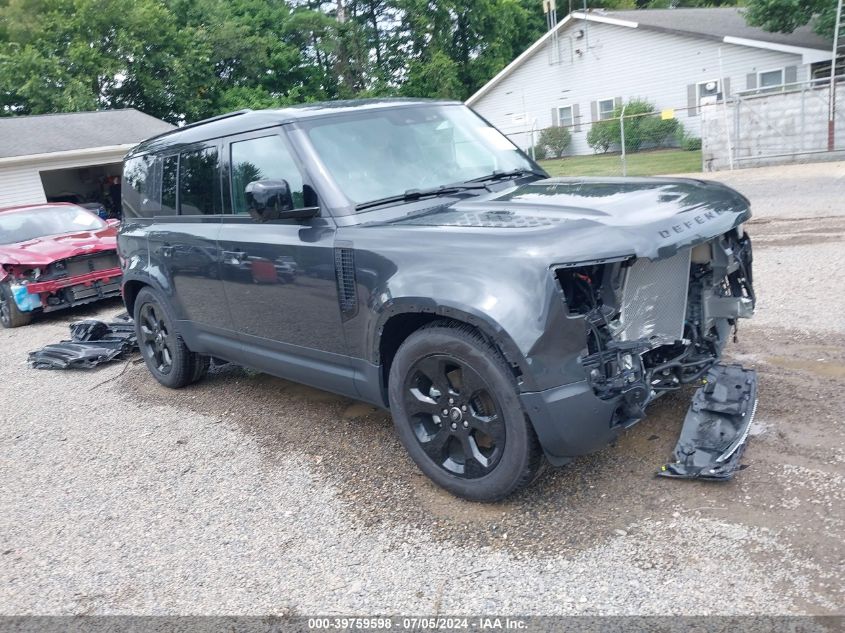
x: 20, y: 179
x: 20, y: 185
x: 619, y: 62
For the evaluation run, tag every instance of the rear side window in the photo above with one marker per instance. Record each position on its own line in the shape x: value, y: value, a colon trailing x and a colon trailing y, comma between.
x: 168, y: 185
x: 265, y: 158
x: 199, y: 183
x: 141, y: 186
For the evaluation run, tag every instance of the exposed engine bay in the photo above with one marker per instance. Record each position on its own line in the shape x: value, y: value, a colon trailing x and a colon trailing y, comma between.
x: 655, y: 326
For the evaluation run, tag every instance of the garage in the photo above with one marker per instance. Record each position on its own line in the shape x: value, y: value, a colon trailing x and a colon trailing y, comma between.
x: 73, y: 157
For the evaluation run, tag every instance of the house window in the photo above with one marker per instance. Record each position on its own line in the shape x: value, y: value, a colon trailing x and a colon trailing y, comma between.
x: 708, y: 89
x: 770, y: 79
x: 606, y: 107
x: 565, y: 116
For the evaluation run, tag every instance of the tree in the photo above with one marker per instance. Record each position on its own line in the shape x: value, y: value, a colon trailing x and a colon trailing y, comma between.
x: 784, y: 16
x: 58, y: 55
x: 642, y: 127
x: 555, y: 140
x: 602, y: 135
x: 183, y: 60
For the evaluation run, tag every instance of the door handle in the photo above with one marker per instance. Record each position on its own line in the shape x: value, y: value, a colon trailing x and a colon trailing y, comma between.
x: 167, y: 250
x: 234, y: 257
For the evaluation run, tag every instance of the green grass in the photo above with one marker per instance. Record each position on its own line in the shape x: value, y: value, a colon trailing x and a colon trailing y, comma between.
x: 650, y: 163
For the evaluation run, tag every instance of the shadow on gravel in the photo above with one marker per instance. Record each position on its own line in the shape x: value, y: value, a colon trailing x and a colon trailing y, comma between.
x: 352, y: 447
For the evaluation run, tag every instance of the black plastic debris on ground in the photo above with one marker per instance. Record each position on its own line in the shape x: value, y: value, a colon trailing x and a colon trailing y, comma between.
x: 91, y: 343
x: 716, y: 426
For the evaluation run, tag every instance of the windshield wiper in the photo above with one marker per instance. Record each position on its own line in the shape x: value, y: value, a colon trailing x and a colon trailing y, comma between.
x: 513, y: 173
x: 415, y: 194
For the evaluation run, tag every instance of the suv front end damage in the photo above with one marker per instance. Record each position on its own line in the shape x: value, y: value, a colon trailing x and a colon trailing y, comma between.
x: 655, y: 325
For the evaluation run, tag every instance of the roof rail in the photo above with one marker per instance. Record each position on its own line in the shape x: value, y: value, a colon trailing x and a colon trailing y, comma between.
x: 198, y: 123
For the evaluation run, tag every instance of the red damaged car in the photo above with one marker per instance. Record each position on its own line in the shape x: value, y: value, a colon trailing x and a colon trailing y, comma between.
x: 54, y: 256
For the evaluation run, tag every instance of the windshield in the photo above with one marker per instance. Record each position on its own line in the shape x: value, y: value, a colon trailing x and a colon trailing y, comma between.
x: 382, y: 153
x: 28, y: 224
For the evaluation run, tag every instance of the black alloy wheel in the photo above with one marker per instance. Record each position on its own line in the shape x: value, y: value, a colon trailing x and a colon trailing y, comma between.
x: 456, y: 408
x: 165, y: 353
x: 155, y: 338
x: 455, y: 416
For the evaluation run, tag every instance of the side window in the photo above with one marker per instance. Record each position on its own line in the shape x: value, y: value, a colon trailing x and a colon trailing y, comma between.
x: 140, y: 194
x: 168, y: 185
x: 265, y: 158
x: 199, y: 183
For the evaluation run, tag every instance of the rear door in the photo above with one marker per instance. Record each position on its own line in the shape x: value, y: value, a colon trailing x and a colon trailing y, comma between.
x: 183, y: 241
x: 279, y: 276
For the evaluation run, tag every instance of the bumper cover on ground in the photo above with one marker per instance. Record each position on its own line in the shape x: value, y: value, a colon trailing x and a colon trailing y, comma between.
x: 716, y: 426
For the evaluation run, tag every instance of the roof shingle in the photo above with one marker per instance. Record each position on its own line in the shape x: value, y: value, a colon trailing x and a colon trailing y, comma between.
x: 718, y: 22
x: 47, y: 133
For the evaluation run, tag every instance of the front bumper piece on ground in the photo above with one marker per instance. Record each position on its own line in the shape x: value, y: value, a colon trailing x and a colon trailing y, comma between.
x: 716, y: 426
x: 92, y: 342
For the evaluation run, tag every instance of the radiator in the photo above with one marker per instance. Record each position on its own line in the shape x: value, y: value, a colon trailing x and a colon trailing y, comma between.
x: 654, y: 300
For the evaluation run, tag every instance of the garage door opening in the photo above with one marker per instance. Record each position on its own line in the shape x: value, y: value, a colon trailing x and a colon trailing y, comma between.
x: 96, y: 187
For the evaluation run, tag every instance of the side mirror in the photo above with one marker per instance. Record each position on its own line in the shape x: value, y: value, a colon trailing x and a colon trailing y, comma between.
x: 268, y: 199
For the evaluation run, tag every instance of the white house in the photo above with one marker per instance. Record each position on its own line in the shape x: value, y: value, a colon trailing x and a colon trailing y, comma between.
x: 64, y: 156
x: 576, y: 73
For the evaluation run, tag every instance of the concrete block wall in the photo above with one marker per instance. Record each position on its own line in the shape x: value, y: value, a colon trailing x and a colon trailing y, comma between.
x: 772, y: 128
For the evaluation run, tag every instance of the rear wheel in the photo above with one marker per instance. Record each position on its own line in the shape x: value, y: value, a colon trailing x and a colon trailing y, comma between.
x: 10, y: 316
x: 165, y: 353
x: 455, y: 406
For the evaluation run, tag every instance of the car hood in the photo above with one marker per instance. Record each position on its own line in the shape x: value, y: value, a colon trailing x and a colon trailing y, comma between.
x: 650, y: 217
x: 45, y: 250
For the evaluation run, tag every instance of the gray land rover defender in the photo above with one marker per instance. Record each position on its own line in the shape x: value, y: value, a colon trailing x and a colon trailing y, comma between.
x: 407, y: 254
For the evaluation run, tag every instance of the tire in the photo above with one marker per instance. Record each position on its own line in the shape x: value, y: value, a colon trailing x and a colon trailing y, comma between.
x: 165, y: 353
x: 10, y: 315
x: 456, y: 410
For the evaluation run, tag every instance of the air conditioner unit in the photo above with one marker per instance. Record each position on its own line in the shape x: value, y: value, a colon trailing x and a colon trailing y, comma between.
x: 709, y: 89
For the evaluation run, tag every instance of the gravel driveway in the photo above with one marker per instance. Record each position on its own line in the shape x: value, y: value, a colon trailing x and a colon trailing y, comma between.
x: 252, y: 495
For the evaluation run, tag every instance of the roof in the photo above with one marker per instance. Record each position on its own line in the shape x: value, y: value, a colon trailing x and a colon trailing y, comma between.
x: 49, y: 133
x: 718, y: 22
x: 247, y: 120
x: 723, y: 24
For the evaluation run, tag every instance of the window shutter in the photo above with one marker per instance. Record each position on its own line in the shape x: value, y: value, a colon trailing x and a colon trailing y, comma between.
x: 594, y: 111
x: 790, y: 74
x: 726, y: 88
x: 617, y: 102
x: 692, y: 100
x: 576, y: 118
x: 751, y: 81
x: 555, y: 117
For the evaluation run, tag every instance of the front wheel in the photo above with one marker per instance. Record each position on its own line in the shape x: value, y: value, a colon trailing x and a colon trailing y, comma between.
x: 165, y: 353
x: 455, y: 407
x: 10, y: 315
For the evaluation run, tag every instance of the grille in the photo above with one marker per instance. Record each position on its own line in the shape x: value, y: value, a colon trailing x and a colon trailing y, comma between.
x: 344, y: 259
x: 654, y: 302
x: 89, y: 264
x: 82, y: 293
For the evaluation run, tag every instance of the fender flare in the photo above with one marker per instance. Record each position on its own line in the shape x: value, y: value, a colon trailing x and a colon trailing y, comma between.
x: 466, y: 314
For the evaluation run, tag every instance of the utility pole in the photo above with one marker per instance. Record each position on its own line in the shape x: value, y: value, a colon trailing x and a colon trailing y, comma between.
x: 837, y: 45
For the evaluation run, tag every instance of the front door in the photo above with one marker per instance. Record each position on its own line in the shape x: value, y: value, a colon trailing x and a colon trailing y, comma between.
x: 278, y: 276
